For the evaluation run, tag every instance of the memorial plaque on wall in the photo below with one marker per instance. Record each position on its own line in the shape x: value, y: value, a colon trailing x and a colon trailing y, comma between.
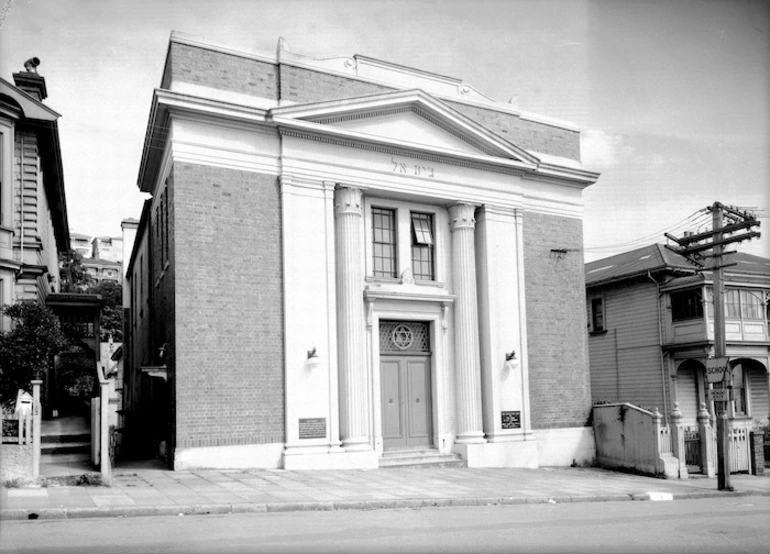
x: 312, y: 428
x: 511, y: 420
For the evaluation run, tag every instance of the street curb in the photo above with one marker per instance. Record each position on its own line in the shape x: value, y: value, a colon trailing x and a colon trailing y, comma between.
x: 22, y: 514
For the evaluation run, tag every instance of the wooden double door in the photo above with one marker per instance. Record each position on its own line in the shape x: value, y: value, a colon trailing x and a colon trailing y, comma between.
x: 406, y: 402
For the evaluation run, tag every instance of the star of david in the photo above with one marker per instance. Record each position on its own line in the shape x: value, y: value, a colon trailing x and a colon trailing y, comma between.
x: 402, y: 337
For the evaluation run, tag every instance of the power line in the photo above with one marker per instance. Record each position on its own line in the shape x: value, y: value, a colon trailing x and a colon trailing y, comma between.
x: 694, y: 220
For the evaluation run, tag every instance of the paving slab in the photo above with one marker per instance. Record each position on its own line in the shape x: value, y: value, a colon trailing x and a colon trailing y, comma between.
x: 138, y: 491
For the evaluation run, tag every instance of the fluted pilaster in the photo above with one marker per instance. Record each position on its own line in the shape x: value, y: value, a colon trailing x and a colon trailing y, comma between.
x: 467, y: 364
x: 354, y: 424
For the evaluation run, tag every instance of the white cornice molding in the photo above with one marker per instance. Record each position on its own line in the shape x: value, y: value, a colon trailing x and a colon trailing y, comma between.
x: 285, y: 120
x: 418, y: 151
x: 375, y: 293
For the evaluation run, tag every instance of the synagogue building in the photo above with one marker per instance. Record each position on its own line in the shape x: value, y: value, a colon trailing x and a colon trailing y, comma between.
x: 349, y: 263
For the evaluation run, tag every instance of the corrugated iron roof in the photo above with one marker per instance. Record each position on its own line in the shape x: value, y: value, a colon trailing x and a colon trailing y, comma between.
x: 656, y: 257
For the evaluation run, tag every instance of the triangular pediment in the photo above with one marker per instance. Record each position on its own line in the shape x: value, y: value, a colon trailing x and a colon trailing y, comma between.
x: 411, y: 119
x: 411, y: 126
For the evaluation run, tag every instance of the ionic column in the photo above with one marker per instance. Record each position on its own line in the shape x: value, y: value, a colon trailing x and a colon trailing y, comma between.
x: 351, y: 334
x: 467, y: 363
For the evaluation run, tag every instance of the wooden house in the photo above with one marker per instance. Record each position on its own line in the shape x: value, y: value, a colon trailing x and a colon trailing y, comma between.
x: 651, y: 329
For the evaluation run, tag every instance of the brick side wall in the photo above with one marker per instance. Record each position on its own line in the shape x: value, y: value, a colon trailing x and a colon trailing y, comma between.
x: 220, y: 70
x: 161, y: 285
x: 248, y: 76
x: 304, y: 85
x: 529, y: 135
x: 229, y: 344
x: 559, y: 379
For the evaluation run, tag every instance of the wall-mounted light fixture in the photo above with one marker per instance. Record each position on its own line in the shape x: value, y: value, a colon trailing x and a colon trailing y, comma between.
x: 511, y: 362
x: 312, y: 361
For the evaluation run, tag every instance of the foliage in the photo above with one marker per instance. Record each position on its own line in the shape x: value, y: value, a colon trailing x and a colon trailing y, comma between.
x: 111, y: 322
x: 84, y: 480
x: 28, y: 349
x: 72, y: 273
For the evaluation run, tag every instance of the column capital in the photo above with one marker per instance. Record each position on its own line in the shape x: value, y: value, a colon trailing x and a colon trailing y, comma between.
x: 348, y: 200
x: 461, y: 216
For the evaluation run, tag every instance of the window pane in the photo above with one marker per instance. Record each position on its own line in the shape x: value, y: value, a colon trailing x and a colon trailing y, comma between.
x: 751, y: 303
x: 383, y: 242
x: 422, y: 246
x: 422, y: 228
x: 597, y: 314
x: 686, y: 305
x: 732, y: 304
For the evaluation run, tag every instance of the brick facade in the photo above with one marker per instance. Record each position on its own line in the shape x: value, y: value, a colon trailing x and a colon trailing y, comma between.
x: 246, y: 75
x: 219, y: 70
x: 526, y: 134
x: 559, y: 380
x: 228, y: 363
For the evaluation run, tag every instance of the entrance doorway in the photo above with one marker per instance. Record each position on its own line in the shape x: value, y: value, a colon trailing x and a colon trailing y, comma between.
x: 405, y: 370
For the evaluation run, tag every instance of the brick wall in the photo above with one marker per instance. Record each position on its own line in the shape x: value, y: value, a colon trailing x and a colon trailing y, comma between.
x: 229, y: 375
x: 525, y: 134
x: 304, y: 85
x: 201, y: 66
x: 559, y: 379
x: 235, y: 73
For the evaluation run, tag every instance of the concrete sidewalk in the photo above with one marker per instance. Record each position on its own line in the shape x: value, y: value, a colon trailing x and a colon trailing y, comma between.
x: 143, y: 492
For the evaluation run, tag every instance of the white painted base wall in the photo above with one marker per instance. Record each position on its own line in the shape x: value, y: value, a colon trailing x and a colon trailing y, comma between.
x: 560, y: 447
x: 331, y: 460
x: 500, y: 454
x: 262, y: 456
x: 553, y: 447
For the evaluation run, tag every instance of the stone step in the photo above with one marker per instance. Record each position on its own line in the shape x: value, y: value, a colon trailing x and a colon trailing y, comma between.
x: 65, y: 438
x: 55, y: 449
x: 58, y: 459
x: 423, y: 458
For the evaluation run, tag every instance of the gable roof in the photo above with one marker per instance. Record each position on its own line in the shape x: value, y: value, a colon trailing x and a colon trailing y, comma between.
x: 31, y: 107
x: 656, y: 258
x: 42, y: 120
x: 641, y: 261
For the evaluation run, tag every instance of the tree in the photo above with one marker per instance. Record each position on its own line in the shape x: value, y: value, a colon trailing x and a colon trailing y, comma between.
x: 111, y: 322
x: 74, y: 277
x: 27, y: 351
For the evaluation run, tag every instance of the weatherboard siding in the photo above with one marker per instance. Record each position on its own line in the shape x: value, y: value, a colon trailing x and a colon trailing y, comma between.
x: 625, y: 360
x: 760, y: 403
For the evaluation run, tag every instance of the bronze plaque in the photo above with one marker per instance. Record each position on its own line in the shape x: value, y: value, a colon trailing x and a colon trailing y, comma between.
x: 511, y: 420
x: 312, y: 428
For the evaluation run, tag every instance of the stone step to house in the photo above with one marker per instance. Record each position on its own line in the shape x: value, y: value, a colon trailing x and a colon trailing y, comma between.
x: 72, y: 437
x: 60, y: 459
x: 55, y: 449
x: 421, y: 459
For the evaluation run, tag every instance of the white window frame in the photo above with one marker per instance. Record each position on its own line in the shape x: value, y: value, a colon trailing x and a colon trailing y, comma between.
x: 590, y: 313
x: 403, y: 218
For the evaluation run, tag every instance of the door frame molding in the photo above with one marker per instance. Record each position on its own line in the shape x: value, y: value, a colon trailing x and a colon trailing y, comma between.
x: 426, y: 309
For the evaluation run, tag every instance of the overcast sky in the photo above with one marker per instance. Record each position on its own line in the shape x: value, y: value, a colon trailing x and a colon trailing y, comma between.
x: 673, y: 96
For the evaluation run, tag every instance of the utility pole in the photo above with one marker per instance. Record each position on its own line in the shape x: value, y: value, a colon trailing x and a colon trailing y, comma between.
x: 691, y: 247
x: 724, y: 424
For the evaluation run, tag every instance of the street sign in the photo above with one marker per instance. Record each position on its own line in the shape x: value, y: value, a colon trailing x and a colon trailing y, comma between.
x: 720, y: 395
x: 715, y: 369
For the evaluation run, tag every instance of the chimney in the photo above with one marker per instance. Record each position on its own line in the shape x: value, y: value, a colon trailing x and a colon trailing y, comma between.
x: 29, y: 81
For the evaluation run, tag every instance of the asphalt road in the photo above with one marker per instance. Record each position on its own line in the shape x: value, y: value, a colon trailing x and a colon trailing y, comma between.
x: 700, y: 526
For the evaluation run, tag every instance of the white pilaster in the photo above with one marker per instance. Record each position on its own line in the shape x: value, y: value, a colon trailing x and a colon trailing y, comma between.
x: 353, y: 386
x: 499, y: 324
x: 467, y: 369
